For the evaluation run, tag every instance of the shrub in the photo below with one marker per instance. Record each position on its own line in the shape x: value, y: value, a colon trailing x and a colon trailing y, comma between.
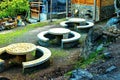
x: 13, y: 7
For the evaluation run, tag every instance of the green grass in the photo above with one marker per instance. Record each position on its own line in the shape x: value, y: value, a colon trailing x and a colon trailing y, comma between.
x: 68, y: 73
x: 58, y: 52
x: 82, y: 63
x: 95, y: 56
x: 9, y: 37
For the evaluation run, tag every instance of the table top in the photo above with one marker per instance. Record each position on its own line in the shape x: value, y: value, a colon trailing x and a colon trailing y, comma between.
x: 77, y: 20
x: 58, y: 31
x: 20, y: 48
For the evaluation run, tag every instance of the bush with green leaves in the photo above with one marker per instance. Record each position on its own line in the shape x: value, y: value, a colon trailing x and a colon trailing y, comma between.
x: 13, y: 7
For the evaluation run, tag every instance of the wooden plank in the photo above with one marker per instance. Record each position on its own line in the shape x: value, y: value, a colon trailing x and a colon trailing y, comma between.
x: 34, y: 15
x: 86, y: 2
x: 89, y: 1
x: 82, y: 1
x: 73, y: 1
x: 107, y: 2
x: 33, y: 10
x: 35, y: 2
x: 78, y: 1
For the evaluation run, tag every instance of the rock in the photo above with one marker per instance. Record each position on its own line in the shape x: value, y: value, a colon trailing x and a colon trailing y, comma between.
x: 93, y: 40
x: 100, y: 77
x: 100, y: 47
x: 114, y: 76
x: 113, y: 21
x: 99, y: 37
x: 110, y: 69
x: 107, y: 55
x: 80, y: 74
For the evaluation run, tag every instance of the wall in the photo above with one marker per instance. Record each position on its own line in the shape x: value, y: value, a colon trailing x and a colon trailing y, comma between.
x: 104, y: 9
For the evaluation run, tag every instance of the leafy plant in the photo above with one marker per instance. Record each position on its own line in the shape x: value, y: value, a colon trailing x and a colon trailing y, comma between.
x: 13, y: 7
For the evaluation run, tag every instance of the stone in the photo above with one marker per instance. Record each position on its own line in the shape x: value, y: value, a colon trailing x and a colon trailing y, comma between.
x: 111, y: 68
x: 80, y: 74
x: 91, y: 42
x: 98, y: 37
x: 107, y: 55
x: 113, y: 21
x: 101, y: 77
x: 100, y: 47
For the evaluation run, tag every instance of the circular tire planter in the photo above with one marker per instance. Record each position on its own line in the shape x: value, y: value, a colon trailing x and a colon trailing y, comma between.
x: 86, y: 25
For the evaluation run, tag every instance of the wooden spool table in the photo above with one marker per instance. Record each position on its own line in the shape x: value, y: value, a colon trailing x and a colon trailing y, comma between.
x: 61, y: 33
x: 20, y: 50
x: 77, y: 21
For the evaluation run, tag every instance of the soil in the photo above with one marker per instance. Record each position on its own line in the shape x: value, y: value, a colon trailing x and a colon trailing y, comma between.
x: 59, y: 66
x: 101, y: 66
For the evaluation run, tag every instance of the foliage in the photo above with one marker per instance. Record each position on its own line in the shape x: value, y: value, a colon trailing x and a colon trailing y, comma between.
x: 95, y: 56
x: 58, y: 53
x: 83, y: 63
x: 13, y: 7
x: 68, y: 73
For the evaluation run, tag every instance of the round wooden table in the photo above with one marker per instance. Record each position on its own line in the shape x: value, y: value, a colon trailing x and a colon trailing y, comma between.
x: 20, y: 50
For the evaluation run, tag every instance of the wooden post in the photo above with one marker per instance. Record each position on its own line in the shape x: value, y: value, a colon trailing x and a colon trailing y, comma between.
x: 39, y: 10
x: 46, y: 7
x: 94, y: 11
x: 66, y: 9
x: 51, y: 11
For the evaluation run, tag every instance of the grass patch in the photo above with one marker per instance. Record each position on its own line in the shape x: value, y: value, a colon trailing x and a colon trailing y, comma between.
x: 58, y: 53
x: 95, y: 56
x: 9, y: 37
x: 82, y: 63
x: 68, y: 73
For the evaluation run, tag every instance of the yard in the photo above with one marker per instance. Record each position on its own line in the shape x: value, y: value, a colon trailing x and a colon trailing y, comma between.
x: 56, y: 68
x: 101, y: 64
x: 62, y: 61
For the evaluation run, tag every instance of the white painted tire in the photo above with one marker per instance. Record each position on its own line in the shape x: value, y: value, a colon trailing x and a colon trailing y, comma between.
x: 90, y: 24
x: 63, y: 23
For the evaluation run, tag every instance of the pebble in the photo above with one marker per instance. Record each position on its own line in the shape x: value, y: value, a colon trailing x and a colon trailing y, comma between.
x: 80, y: 74
x: 107, y: 55
x: 110, y: 69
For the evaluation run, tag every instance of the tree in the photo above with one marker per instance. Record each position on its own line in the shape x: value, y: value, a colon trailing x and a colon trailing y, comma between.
x: 13, y: 7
